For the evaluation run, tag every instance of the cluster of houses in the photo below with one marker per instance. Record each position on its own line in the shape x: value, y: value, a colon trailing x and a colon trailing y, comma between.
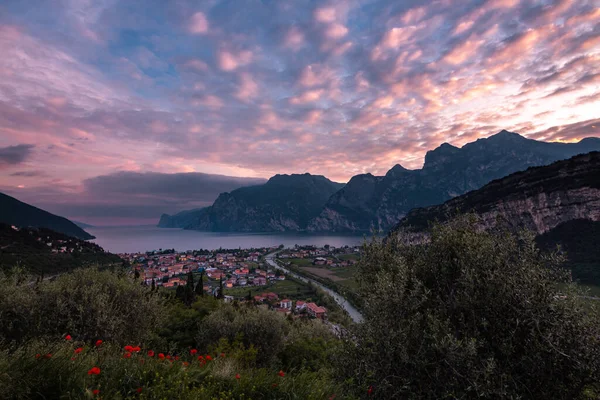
x: 298, y: 308
x: 234, y: 268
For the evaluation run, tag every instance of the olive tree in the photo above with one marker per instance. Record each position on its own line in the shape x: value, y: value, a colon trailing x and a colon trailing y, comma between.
x: 470, y: 314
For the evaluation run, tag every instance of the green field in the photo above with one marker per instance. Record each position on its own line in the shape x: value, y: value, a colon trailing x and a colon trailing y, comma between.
x: 347, y: 257
x: 291, y: 289
x: 300, y: 262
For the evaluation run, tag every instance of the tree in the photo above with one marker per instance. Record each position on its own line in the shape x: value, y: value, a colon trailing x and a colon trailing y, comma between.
x: 221, y: 294
x: 470, y: 314
x: 153, y: 286
x: 200, y: 285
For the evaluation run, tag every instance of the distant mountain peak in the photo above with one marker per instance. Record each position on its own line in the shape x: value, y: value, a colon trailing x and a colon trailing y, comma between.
x: 397, y: 170
x: 504, y: 134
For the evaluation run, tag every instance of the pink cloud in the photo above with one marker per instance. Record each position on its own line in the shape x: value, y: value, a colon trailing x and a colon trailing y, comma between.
x: 325, y: 14
x: 198, y: 24
x: 307, y: 97
x: 247, y: 88
x: 294, y: 39
x: 336, y: 31
x: 315, y: 75
x: 228, y: 61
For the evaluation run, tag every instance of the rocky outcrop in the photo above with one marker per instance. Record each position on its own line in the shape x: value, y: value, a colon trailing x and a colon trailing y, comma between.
x: 182, y: 219
x: 368, y: 201
x: 538, y: 199
x: 284, y: 203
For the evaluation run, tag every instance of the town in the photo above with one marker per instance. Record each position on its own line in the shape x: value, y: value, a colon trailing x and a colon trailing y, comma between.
x: 243, y: 275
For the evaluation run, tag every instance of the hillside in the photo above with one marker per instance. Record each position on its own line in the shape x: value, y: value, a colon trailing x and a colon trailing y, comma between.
x: 284, y: 203
x: 182, y: 219
x: 41, y: 250
x: 380, y: 201
x: 560, y: 202
x: 15, y: 212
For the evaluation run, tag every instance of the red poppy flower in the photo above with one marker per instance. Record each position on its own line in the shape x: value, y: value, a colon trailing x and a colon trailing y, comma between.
x: 185, y: 363
x: 139, y: 390
x: 200, y: 358
x: 96, y: 391
x: 68, y: 337
x: 136, y: 349
x: 274, y: 385
x: 223, y: 355
x: 49, y: 355
x: 161, y: 356
x: 73, y: 359
x: 193, y: 351
x: 370, y: 391
x: 281, y: 373
x: 98, y: 343
x: 127, y: 355
x: 129, y: 348
x: 78, y: 350
x: 168, y: 356
x: 237, y: 376
x: 38, y: 355
x: 208, y: 358
x: 94, y: 371
x: 150, y: 353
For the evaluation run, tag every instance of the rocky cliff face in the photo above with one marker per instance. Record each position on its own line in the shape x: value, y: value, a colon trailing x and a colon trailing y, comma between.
x: 538, y: 199
x: 284, y: 203
x: 182, y: 219
x: 369, y: 201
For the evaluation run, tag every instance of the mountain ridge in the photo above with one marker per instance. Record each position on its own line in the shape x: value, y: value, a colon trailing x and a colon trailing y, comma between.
x: 448, y: 171
x: 17, y: 213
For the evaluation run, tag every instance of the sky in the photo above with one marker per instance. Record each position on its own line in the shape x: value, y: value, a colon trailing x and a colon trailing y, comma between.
x: 113, y: 112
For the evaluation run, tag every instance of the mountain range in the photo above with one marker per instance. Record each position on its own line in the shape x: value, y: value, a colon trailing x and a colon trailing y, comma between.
x: 559, y: 202
x: 315, y: 204
x: 283, y: 203
x: 17, y: 213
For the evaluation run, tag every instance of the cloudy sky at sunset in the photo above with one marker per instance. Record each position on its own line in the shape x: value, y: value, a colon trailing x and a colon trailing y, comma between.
x: 116, y: 111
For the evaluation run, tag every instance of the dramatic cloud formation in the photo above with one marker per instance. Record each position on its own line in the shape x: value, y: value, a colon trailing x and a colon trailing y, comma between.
x: 12, y: 155
x: 131, y: 197
x: 336, y: 87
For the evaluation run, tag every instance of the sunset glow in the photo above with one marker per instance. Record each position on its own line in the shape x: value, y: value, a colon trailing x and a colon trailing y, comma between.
x: 90, y: 89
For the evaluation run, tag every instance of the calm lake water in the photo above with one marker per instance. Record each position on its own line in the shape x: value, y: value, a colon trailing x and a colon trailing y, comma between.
x: 131, y: 239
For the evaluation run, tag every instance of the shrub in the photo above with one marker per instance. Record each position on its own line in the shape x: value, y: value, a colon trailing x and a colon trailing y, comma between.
x: 87, y: 303
x: 263, y: 329
x: 469, y: 314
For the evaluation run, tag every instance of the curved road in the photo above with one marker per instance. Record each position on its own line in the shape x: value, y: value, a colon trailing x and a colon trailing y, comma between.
x: 351, y: 310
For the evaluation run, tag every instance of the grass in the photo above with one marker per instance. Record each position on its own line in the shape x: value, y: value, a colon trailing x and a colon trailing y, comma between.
x: 288, y: 288
x: 347, y: 257
x: 300, y: 262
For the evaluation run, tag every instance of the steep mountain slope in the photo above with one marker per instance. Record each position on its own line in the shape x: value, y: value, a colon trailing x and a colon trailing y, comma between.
x: 560, y: 202
x: 182, y: 219
x: 284, y: 203
x: 369, y: 201
x: 15, y: 212
x: 538, y: 199
x: 43, y: 251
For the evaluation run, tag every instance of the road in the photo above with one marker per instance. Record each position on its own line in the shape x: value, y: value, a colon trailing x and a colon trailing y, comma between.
x: 345, y: 304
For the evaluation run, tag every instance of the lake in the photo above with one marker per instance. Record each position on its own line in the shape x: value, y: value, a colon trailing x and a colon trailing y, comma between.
x: 133, y: 239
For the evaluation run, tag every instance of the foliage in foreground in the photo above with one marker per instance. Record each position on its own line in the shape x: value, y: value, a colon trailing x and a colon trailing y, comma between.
x: 74, y: 370
x: 470, y: 315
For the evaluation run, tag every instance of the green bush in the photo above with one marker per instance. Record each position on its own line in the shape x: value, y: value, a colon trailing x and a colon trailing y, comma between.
x: 470, y: 314
x: 263, y: 329
x: 87, y: 303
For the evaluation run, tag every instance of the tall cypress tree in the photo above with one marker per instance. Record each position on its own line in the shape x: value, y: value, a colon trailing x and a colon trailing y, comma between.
x: 200, y: 285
